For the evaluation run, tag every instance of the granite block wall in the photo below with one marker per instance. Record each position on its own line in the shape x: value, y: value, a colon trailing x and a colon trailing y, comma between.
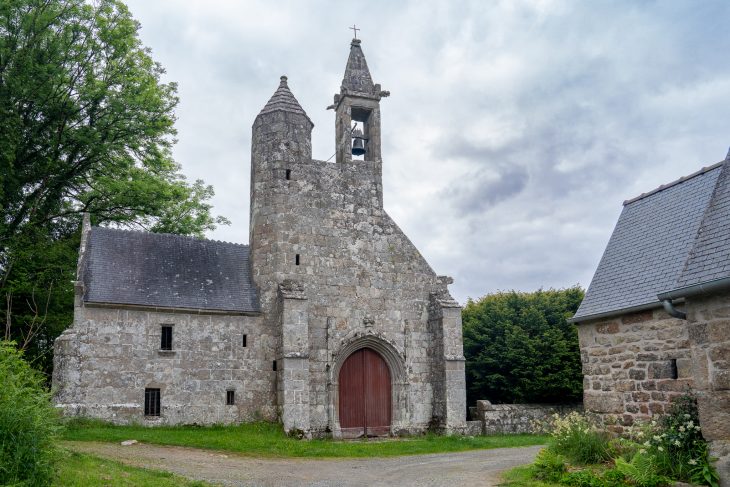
x: 104, y: 362
x: 633, y: 365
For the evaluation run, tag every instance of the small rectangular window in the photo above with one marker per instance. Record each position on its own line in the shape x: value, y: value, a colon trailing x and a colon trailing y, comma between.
x: 673, y: 367
x: 274, y: 366
x: 288, y: 174
x: 166, y: 338
x: 296, y: 259
x: 230, y: 398
x: 151, y: 402
x: 244, y: 341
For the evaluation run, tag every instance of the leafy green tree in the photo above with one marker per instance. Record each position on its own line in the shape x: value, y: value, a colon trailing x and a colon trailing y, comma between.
x: 519, y: 347
x: 86, y: 125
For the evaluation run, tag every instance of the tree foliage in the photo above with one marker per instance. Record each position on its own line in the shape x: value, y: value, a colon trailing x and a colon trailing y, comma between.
x: 86, y: 125
x: 520, y: 348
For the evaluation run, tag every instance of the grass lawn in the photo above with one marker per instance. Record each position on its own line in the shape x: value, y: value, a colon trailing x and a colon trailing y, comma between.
x: 77, y: 469
x: 522, y: 477
x: 269, y: 440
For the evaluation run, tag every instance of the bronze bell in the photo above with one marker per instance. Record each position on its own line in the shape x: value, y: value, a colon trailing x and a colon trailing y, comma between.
x: 358, y: 143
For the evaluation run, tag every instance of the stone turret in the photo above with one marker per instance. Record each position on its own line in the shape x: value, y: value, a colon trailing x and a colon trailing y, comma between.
x: 280, y: 144
x: 358, y: 101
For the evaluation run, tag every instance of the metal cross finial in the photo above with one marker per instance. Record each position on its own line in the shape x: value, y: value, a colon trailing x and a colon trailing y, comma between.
x: 354, y: 28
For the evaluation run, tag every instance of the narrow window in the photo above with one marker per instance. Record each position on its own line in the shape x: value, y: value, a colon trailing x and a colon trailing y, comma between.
x: 151, y: 402
x: 296, y: 259
x: 288, y: 174
x: 274, y: 366
x: 244, y: 340
x: 166, y: 338
x: 673, y: 368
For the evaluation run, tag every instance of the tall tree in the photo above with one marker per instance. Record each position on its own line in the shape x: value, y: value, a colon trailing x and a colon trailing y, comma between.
x: 519, y: 347
x: 86, y: 125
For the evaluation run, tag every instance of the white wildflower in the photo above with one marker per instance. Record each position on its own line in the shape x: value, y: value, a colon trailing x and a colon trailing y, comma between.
x: 692, y: 461
x: 642, y: 451
x: 687, y: 416
x: 690, y: 424
x: 647, y: 444
x: 657, y: 438
x: 676, y: 443
x: 682, y: 429
x: 660, y: 448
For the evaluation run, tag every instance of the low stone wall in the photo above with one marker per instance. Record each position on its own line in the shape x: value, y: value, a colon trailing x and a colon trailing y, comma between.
x: 498, y: 419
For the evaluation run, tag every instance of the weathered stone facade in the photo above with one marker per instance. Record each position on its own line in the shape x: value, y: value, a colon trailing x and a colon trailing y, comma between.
x: 708, y: 324
x: 654, y: 323
x: 333, y: 274
x: 634, y: 365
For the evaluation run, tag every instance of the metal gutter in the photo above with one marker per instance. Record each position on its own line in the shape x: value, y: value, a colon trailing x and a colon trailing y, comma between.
x: 696, y: 289
x: 616, y: 312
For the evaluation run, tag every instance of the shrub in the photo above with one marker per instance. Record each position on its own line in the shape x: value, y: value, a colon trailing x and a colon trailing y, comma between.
x: 578, y: 437
x: 549, y: 466
x: 676, y: 445
x: 28, y: 422
x: 641, y: 471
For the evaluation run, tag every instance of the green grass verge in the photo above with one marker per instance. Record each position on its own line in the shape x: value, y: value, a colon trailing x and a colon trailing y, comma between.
x: 78, y: 469
x: 269, y: 440
x: 523, y: 477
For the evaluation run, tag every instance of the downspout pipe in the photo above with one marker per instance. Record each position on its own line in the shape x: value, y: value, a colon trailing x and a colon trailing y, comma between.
x: 711, y: 287
x: 672, y: 311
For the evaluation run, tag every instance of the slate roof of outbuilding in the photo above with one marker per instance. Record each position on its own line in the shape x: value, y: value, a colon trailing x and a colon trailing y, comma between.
x: 657, y: 242
x: 709, y: 258
x: 171, y: 271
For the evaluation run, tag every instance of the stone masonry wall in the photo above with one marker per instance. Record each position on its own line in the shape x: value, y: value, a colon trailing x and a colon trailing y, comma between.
x: 361, y: 274
x: 708, y: 322
x: 504, y: 419
x: 104, y: 362
x: 629, y: 364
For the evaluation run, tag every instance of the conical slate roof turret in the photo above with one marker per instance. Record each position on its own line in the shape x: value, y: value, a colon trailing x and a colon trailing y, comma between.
x: 283, y: 100
x: 357, y: 75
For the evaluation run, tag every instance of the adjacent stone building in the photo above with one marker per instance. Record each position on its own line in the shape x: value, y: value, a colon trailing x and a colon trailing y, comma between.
x: 655, y: 321
x: 330, y: 320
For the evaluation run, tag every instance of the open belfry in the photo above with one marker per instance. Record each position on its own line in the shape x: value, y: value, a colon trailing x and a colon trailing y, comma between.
x: 330, y: 321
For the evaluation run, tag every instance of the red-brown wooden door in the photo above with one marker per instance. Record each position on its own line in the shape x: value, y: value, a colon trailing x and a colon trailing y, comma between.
x: 365, y: 405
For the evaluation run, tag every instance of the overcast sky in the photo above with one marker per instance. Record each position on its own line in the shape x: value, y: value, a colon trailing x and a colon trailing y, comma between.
x: 514, y: 129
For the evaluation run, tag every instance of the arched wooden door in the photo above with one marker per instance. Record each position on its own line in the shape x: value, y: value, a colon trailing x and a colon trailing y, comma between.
x: 364, y: 398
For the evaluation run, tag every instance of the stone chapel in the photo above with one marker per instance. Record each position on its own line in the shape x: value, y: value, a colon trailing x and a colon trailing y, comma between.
x: 330, y: 320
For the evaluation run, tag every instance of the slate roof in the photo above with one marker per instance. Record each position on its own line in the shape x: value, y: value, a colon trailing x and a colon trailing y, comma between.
x: 283, y: 100
x: 652, y: 241
x: 709, y: 258
x: 163, y: 270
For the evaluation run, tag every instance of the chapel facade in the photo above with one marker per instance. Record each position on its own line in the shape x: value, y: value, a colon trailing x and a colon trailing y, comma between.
x: 330, y: 320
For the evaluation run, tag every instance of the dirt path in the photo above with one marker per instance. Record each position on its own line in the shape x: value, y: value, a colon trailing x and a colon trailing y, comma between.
x: 478, y: 467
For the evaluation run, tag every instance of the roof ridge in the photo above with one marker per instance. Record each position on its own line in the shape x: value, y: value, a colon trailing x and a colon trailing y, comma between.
x: 167, y: 234
x: 675, y: 182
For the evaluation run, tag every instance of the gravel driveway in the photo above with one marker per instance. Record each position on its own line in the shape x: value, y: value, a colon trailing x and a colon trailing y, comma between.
x: 478, y: 467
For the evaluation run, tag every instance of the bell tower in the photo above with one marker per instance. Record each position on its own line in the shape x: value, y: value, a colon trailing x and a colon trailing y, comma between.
x: 357, y: 111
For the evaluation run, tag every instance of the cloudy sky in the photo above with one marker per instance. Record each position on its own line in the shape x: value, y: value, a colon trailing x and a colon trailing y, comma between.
x: 514, y: 130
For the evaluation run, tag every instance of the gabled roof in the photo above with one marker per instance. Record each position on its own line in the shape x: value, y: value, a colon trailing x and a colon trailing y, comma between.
x: 283, y: 100
x: 652, y: 242
x: 709, y: 258
x: 169, y: 271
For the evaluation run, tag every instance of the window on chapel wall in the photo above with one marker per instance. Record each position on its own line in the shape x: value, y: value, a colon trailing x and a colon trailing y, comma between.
x: 166, y: 337
x: 151, y: 402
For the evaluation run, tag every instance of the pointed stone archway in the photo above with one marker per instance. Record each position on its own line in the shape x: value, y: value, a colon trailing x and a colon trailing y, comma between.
x: 392, y: 361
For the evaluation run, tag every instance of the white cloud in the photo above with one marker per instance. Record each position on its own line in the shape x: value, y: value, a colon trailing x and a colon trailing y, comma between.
x: 514, y: 130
